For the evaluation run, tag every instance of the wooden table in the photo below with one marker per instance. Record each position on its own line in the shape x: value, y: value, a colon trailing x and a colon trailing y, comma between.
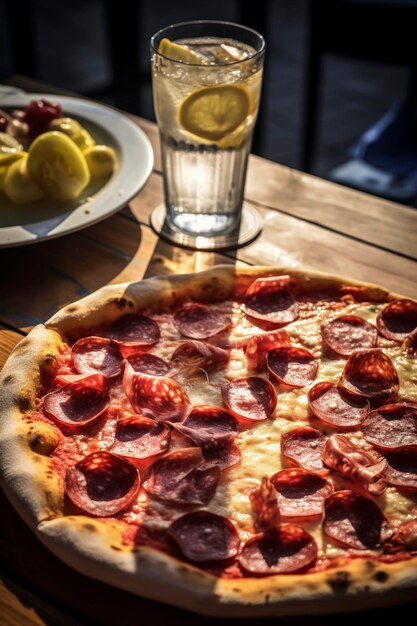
x: 309, y: 223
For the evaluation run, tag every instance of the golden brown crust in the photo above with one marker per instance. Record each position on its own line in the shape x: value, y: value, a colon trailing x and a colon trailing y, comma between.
x: 25, y: 444
x: 95, y: 547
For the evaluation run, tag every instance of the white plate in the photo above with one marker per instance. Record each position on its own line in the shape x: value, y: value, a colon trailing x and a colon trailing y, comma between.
x: 29, y: 223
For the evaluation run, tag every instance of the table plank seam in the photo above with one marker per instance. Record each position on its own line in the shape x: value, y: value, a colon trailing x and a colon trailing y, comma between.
x: 6, y: 326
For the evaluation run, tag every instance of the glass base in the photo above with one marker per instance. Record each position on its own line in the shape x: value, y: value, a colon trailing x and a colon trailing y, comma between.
x: 247, y: 230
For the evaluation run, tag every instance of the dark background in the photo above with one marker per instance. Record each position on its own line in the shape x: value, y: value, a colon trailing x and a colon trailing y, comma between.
x: 71, y: 49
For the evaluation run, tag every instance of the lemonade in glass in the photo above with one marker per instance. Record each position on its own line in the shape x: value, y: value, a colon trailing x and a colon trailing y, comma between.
x: 206, y: 87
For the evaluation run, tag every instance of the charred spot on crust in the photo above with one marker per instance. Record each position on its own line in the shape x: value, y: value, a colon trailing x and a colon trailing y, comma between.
x: 123, y: 302
x: 43, y: 439
x: 116, y: 548
x: 381, y: 576
x: 49, y: 359
x: 8, y: 379
x: 23, y: 402
x: 89, y: 527
x: 370, y: 566
x: 72, y: 309
x: 340, y: 581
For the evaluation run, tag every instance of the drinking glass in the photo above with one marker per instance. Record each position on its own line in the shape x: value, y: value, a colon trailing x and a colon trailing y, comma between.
x: 206, y: 79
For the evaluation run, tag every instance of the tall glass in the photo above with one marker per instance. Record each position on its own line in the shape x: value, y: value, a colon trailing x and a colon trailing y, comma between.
x: 206, y: 79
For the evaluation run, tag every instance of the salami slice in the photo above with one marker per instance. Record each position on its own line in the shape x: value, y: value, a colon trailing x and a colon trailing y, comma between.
x: 264, y: 501
x: 341, y: 455
x: 371, y: 374
x: 258, y: 347
x: 355, y: 521
x: 294, y: 367
x: 303, y: 447
x: 269, y: 300
x: 391, y: 426
x: 347, y: 333
x: 401, y: 471
x: 208, y: 426
x: 223, y: 456
x: 139, y: 437
x: 158, y: 397
x: 102, y: 484
x: 96, y: 355
x: 192, y: 355
x: 180, y: 478
x: 203, y: 536
x: 300, y: 493
x: 397, y: 319
x: 78, y: 403
x: 336, y: 407
x: 251, y: 398
x: 285, y: 550
x: 150, y: 364
x: 199, y: 321
x: 134, y: 330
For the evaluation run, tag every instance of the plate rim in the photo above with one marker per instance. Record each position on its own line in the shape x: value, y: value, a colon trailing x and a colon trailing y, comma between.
x: 20, y: 98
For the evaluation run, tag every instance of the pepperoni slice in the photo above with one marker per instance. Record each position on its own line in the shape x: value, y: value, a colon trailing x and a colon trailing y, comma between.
x: 371, y: 374
x: 78, y: 403
x: 223, y: 456
x: 139, y: 437
x: 250, y: 398
x: 347, y: 333
x: 336, y: 407
x: 391, y: 426
x: 199, y: 321
x: 134, y: 330
x: 285, y: 550
x: 350, y: 461
x: 268, y: 300
x: 150, y: 364
x: 295, y: 367
x: 102, y: 484
x: 96, y: 355
x: 158, y: 397
x: 300, y: 493
x: 355, y: 521
x: 192, y: 355
x: 208, y: 426
x: 303, y: 447
x: 258, y: 347
x: 204, y: 536
x: 181, y: 478
x: 397, y: 319
x: 401, y: 471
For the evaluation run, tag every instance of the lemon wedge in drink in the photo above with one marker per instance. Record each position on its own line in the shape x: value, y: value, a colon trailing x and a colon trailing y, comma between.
x: 214, y: 112
x: 177, y: 52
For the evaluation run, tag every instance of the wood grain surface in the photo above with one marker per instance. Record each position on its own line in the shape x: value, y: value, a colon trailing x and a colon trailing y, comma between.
x: 308, y: 223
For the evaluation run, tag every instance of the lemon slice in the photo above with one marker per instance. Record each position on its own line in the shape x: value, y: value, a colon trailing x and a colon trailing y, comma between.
x: 214, y: 112
x: 176, y: 52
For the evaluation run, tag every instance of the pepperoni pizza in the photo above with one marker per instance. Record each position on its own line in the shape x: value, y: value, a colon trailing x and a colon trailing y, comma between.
x: 234, y: 442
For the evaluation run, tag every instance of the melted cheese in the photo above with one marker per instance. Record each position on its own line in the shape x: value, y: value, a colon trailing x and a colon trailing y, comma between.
x: 260, y: 442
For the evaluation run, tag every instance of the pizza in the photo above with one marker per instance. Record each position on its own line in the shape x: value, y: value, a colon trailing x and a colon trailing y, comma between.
x: 236, y: 442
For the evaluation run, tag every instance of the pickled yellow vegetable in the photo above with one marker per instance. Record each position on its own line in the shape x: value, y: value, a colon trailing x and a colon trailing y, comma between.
x: 18, y: 185
x: 58, y: 166
x: 74, y: 131
x: 7, y: 158
x: 101, y: 161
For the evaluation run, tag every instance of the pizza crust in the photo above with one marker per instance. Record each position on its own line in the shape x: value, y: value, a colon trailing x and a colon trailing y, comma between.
x: 24, y: 445
x: 110, y: 302
x: 95, y: 546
